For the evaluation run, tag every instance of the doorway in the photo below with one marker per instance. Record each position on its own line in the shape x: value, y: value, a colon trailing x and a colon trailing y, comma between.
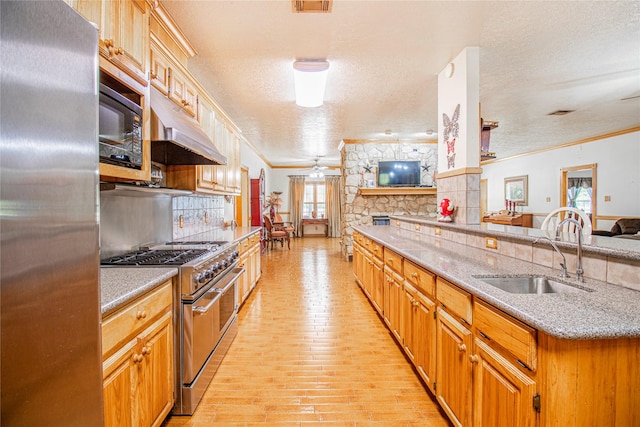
x: 242, y: 200
x: 578, y: 189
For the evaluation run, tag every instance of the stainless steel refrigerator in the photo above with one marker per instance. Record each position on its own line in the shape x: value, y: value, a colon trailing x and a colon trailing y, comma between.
x: 49, y: 243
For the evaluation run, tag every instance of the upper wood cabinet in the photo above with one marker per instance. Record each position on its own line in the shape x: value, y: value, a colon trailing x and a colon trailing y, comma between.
x: 124, y: 33
x: 182, y: 91
x: 159, y: 74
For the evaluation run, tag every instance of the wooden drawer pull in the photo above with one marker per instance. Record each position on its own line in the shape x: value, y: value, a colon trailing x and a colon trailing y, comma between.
x: 474, y: 358
x: 462, y: 348
x: 141, y: 314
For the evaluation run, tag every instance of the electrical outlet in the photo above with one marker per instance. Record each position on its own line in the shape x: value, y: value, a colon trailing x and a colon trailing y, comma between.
x: 548, y: 199
x: 607, y: 198
x: 437, y: 231
x: 491, y: 242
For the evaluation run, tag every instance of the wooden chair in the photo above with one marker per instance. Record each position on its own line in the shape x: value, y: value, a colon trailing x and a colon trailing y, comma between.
x: 286, y: 225
x: 275, y: 234
x: 556, y: 216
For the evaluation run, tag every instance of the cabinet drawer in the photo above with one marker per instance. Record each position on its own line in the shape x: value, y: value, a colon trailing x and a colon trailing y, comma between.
x: 134, y: 317
x: 514, y: 336
x: 393, y: 260
x: 457, y: 301
x: 255, y: 239
x: 376, y: 249
x: 423, y: 280
x: 357, y: 238
x: 243, y: 246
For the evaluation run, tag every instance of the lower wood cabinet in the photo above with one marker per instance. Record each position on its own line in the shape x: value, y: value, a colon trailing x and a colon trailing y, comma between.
x: 453, y: 377
x: 419, y: 328
x: 393, y: 302
x: 250, y: 259
x: 502, y: 394
x: 138, y: 378
x: 488, y: 369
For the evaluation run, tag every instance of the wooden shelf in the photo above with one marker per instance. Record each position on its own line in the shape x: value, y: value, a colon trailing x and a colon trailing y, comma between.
x: 397, y: 191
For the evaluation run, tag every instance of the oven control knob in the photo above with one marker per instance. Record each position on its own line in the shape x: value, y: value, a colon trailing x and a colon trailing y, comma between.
x: 201, y: 278
x: 223, y: 264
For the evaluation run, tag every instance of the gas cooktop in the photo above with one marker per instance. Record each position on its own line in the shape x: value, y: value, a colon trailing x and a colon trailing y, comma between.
x: 155, y: 257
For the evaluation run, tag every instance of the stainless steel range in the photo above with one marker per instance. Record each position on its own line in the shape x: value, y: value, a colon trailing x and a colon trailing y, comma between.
x: 206, y: 318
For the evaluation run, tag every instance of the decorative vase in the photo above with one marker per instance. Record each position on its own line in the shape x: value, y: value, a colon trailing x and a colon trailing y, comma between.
x: 313, y: 214
x: 272, y: 213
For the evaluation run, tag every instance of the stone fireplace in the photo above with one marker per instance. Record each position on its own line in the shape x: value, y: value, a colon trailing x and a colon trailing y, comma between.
x: 359, y: 168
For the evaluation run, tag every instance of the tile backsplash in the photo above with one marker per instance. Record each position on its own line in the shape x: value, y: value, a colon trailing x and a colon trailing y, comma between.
x: 197, y: 214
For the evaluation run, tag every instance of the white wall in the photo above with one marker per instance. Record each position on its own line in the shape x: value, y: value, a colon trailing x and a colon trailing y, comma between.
x: 618, y: 176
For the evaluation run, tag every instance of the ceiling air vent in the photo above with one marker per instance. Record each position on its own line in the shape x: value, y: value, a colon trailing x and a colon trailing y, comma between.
x: 312, y: 6
x: 560, y: 112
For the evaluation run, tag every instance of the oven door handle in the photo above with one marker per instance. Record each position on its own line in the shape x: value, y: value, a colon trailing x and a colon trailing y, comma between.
x: 205, y: 309
x: 237, y: 272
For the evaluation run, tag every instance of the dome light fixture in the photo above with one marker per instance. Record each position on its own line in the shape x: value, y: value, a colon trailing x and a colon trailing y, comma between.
x: 310, y: 79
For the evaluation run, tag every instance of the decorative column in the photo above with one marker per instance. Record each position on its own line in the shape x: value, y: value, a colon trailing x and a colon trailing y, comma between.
x: 459, y: 169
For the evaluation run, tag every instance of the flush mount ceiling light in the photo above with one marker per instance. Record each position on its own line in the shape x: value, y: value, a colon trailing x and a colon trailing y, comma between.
x: 310, y: 78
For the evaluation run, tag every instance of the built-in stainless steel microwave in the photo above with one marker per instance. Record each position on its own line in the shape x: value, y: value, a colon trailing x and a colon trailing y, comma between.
x: 120, y: 129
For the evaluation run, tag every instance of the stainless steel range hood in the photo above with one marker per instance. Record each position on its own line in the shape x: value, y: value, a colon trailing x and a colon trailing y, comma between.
x: 176, y: 138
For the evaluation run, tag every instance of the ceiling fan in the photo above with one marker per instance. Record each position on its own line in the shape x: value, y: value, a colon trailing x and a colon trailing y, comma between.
x: 316, y: 170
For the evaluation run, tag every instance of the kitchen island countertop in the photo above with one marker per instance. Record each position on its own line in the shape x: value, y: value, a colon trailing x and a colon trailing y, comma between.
x: 608, y: 311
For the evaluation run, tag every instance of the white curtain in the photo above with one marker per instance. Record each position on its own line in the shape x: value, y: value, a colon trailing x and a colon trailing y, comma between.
x: 296, y: 201
x: 333, y: 184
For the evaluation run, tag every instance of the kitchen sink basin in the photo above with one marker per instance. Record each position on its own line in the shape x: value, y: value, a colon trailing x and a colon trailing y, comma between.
x: 530, y: 284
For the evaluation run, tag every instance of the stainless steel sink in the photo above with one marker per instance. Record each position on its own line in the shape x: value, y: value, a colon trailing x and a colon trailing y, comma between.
x: 528, y: 284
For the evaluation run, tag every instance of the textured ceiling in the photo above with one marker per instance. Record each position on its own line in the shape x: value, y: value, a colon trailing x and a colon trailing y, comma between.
x: 535, y: 57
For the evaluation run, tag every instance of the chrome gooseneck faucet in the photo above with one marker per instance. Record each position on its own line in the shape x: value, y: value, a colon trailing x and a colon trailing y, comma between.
x: 563, y: 264
x: 579, y: 271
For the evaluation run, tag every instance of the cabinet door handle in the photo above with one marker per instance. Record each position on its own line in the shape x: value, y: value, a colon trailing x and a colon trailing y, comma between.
x: 146, y: 350
x: 474, y: 358
x: 462, y: 348
x: 137, y: 358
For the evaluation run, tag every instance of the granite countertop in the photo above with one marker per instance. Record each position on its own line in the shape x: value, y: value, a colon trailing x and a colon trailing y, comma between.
x: 119, y: 285
x: 608, y: 311
x: 601, y: 245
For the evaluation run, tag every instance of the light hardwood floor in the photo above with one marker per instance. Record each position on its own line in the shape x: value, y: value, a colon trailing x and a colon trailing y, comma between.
x: 312, y: 351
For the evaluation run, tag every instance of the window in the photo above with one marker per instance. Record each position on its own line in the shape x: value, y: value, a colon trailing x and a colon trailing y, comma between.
x: 314, y: 200
x: 583, y: 200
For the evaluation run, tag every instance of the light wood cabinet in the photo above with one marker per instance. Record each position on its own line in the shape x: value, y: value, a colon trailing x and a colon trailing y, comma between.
x: 503, y: 395
x: 249, y: 250
x: 453, y: 377
x: 420, y: 333
x: 138, y: 377
x: 124, y: 32
x: 394, y: 303
x: 182, y: 91
x: 124, y: 36
x: 160, y: 68
x: 491, y: 369
x: 377, y: 277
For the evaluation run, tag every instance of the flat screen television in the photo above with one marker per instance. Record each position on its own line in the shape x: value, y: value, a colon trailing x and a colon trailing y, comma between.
x: 399, y: 173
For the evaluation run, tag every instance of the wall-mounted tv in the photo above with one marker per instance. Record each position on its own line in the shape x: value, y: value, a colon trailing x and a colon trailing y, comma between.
x: 399, y: 173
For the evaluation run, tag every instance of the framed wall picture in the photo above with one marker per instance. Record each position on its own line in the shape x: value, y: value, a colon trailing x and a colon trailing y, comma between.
x: 515, y: 189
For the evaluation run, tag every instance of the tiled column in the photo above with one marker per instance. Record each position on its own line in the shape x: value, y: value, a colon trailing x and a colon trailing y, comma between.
x: 458, y: 177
